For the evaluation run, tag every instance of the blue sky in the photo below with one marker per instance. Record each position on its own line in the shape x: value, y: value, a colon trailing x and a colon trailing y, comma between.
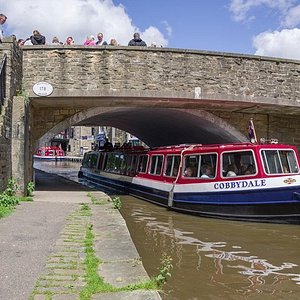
x: 262, y: 27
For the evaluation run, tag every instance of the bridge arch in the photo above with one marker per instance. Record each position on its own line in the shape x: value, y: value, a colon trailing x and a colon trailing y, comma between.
x: 156, y: 126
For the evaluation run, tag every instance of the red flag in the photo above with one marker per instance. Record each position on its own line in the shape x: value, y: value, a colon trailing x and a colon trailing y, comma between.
x: 251, y: 132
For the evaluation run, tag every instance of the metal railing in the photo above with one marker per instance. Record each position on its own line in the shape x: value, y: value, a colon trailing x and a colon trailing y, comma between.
x: 2, y: 80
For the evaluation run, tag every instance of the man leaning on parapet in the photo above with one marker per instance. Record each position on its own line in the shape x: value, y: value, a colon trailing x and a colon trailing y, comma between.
x: 2, y: 21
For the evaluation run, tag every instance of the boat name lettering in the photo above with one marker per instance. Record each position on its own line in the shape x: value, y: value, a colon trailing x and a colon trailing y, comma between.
x: 239, y: 184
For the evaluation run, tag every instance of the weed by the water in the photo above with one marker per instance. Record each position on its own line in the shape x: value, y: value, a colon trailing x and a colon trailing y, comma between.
x: 164, y: 271
x: 117, y: 204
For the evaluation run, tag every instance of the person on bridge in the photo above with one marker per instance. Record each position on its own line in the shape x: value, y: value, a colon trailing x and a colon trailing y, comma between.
x: 69, y: 41
x: 100, y: 41
x: 137, y: 41
x: 3, y: 19
x: 113, y: 42
x: 37, y: 38
x: 90, y: 41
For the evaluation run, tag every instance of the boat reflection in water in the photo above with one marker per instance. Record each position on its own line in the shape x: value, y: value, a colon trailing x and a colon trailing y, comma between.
x: 215, y: 259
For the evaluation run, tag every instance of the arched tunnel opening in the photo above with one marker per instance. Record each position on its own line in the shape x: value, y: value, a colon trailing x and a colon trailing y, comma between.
x: 163, y: 127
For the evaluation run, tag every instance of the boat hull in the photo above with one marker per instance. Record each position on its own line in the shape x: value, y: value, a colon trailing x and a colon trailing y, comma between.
x: 279, y: 205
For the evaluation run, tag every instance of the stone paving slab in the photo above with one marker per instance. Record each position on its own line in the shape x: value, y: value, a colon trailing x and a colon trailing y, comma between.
x: 133, y: 295
x: 42, y: 249
x: 121, y: 262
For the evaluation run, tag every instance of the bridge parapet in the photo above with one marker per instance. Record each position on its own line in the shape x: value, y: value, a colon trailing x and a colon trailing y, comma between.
x: 75, y: 70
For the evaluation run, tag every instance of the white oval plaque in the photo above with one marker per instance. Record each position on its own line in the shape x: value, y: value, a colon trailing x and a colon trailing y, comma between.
x: 42, y: 89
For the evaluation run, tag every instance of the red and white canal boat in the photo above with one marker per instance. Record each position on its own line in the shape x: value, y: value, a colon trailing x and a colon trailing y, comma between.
x: 49, y: 153
x: 244, y: 181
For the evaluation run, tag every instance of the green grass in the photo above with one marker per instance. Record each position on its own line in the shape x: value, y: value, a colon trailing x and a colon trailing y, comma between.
x: 95, y: 283
x: 95, y: 200
x: 26, y: 199
x: 5, y: 211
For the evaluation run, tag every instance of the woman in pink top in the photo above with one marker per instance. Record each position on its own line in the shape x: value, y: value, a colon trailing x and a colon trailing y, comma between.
x: 90, y: 41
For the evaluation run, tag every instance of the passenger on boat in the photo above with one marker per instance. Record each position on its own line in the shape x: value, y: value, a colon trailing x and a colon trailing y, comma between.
x: 108, y: 145
x: 232, y: 170
x: 249, y: 170
x: 206, y: 171
x: 188, y: 172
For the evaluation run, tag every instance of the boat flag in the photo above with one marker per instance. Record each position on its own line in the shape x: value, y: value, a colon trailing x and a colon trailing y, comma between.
x: 251, y: 132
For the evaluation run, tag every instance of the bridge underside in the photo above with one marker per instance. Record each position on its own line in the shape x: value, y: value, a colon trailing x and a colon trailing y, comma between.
x: 161, y: 126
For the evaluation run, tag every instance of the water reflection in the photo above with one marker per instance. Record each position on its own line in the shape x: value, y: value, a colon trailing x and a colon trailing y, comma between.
x: 215, y: 258
x: 212, y: 259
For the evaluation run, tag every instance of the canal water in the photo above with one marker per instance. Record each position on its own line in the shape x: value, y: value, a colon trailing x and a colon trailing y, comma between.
x: 212, y: 259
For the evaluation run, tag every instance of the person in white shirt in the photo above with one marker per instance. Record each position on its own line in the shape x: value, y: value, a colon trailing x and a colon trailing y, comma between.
x: 3, y: 19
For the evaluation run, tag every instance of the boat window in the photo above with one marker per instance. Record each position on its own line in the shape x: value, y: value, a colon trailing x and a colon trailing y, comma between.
x: 85, y: 160
x: 104, y: 161
x: 100, y: 163
x: 279, y: 161
x: 156, y: 164
x: 114, y: 162
x: 142, y: 165
x: 200, y: 166
x: 172, y: 165
x: 238, y: 163
x: 92, y: 160
x: 128, y: 164
x: 132, y: 169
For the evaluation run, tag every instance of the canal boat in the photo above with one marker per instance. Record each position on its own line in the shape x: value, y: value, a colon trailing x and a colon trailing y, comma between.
x: 242, y: 181
x: 49, y: 153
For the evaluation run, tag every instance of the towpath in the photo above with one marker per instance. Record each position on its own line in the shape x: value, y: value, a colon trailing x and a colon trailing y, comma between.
x: 43, y: 245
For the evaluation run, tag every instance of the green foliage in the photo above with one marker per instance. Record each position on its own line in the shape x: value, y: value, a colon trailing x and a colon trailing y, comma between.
x: 11, y: 188
x: 30, y: 188
x: 8, y: 198
x: 164, y: 270
x: 117, y: 204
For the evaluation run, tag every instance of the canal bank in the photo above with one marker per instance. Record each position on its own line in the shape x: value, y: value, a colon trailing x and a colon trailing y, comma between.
x: 44, y: 245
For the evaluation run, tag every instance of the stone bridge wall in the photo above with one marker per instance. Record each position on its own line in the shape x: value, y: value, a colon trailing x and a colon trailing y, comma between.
x: 183, y: 78
x: 87, y: 72
x: 77, y: 69
x: 13, y: 83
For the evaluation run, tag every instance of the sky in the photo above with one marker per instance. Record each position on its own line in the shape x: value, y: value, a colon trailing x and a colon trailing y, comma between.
x: 259, y: 27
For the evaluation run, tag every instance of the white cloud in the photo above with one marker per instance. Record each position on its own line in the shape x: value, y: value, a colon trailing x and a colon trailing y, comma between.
x: 241, y: 8
x: 284, y: 43
x: 292, y: 17
x: 152, y: 35
x: 77, y: 18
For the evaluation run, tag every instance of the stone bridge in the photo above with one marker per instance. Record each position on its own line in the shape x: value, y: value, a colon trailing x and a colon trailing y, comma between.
x: 163, y: 96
